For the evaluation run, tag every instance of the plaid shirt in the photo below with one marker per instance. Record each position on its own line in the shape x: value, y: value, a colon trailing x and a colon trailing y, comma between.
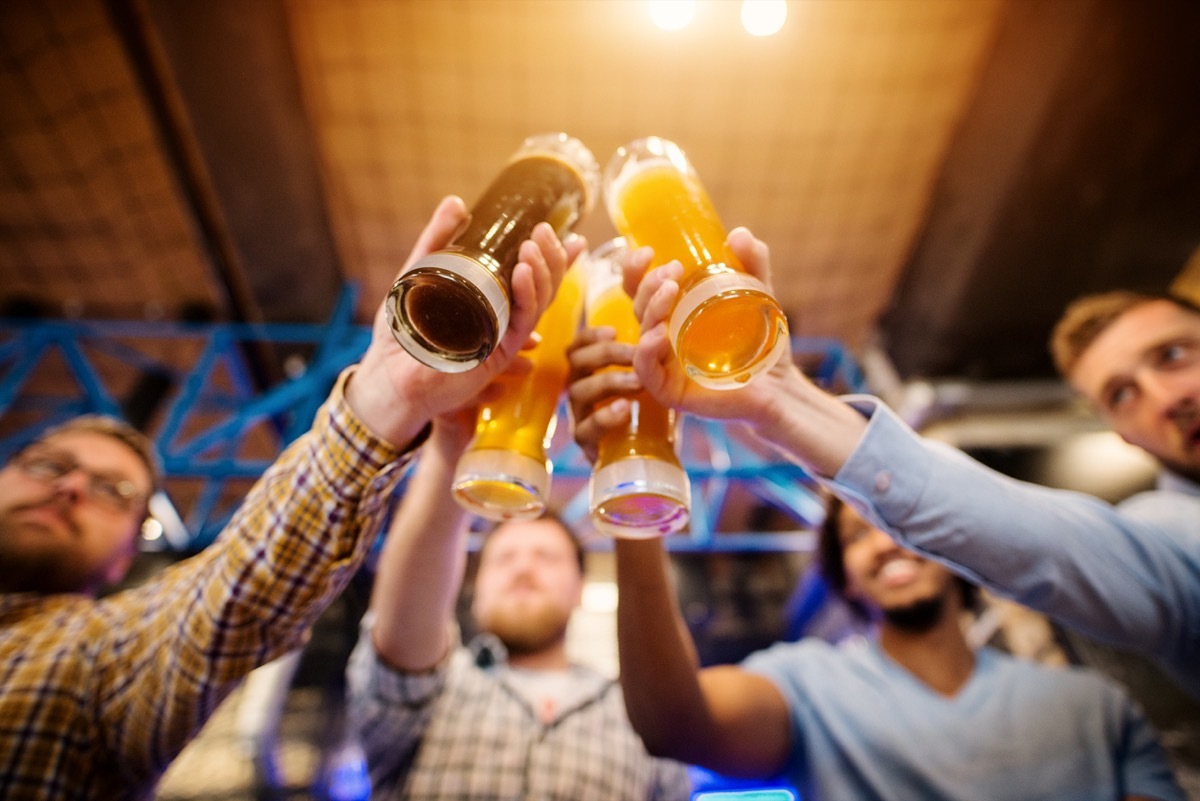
x: 97, y: 697
x: 463, y: 731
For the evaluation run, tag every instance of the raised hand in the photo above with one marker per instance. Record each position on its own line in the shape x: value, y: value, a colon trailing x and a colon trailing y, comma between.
x: 394, y: 394
x: 598, y: 397
x: 654, y: 294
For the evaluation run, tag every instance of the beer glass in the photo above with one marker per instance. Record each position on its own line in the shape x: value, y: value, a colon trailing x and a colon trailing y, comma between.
x: 725, y: 327
x: 638, y: 487
x: 450, y: 308
x: 504, y: 473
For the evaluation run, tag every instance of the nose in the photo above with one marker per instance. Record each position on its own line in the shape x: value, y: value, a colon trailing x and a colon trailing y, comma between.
x: 1167, y: 396
x: 880, y: 543
x: 73, y: 483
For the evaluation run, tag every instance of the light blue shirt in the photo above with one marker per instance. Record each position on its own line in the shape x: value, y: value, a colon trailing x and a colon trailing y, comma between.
x: 863, y: 728
x: 1128, y: 575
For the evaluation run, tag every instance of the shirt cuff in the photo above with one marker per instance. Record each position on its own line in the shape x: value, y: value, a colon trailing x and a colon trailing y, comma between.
x: 888, y: 470
x: 411, y: 689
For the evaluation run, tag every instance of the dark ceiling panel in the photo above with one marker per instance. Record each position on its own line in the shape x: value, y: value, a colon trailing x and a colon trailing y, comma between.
x: 232, y: 67
x: 1104, y: 194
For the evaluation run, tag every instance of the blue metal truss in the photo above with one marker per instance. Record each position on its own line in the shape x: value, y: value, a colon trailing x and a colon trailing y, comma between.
x: 206, y: 421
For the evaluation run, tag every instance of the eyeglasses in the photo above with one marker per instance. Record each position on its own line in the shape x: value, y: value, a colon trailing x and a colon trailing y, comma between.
x: 111, y: 491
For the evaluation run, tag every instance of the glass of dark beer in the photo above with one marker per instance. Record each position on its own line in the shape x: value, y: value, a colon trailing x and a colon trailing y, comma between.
x: 450, y: 308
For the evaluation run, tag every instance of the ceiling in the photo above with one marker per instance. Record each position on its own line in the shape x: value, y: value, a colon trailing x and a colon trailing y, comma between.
x: 935, y: 177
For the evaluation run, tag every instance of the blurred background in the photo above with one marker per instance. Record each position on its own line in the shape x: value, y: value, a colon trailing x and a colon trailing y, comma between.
x: 202, y: 204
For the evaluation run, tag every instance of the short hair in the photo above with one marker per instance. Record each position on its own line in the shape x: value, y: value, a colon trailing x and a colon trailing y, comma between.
x: 550, y: 517
x: 832, y: 564
x: 117, y: 429
x: 1087, y: 317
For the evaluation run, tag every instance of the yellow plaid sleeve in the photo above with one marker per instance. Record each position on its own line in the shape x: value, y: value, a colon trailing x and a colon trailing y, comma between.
x: 164, y: 655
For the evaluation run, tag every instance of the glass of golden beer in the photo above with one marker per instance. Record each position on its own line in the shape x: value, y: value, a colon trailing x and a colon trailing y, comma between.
x: 638, y: 487
x: 504, y: 473
x: 450, y: 308
x: 725, y: 327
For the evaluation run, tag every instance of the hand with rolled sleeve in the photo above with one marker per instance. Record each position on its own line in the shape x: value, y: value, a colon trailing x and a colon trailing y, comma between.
x: 394, y: 394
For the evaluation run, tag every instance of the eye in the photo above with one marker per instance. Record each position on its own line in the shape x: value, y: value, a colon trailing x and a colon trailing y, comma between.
x: 1179, y: 353
x: 119, y: 492
x: 1118, y: 396
x: 48, y: 466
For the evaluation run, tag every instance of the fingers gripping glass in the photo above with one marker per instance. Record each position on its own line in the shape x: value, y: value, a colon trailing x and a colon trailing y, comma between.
x: 111, y: 491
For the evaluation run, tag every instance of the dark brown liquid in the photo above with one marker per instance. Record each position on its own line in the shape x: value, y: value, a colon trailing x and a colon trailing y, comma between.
x: 449, y: 315
x: 528, y: 191
x: 444, y: 314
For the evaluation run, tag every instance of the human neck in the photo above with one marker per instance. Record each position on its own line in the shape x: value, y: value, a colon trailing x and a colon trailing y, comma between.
x: 939, y: 657
x: 553, y: 657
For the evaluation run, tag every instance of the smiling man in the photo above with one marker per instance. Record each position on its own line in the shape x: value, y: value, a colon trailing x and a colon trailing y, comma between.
x: 912, y: 713
x: 1126, y: 575
x: 1136, y: 359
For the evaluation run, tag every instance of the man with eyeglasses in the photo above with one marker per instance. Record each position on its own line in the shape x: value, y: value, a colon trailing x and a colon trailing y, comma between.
x: 97, y: 696
x: 71, y: 507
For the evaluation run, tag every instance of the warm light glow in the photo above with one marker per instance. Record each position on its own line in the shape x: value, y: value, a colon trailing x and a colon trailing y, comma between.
x: 763, y: 17
x: 151, y: 529
x: 600, y: 597
x: 672, y: 15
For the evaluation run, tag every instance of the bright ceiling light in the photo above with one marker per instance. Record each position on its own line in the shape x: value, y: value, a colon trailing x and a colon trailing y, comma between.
x: 672, y: 15
x: 763, y: 17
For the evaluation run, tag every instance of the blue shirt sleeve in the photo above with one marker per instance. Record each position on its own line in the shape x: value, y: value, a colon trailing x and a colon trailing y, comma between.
x: 1129, y: 576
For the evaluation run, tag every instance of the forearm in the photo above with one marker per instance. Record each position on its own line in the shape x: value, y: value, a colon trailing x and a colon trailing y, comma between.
x: 1069, y: 555
x: 659, y: 665
x: 805, y: 423
x: 197, y: 629
x: 421, y: 566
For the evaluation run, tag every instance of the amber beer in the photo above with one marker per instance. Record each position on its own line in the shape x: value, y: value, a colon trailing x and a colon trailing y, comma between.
x: 450, y: 308
x: 725, y: 327
x: 504, y: 473
x: 638, y: 487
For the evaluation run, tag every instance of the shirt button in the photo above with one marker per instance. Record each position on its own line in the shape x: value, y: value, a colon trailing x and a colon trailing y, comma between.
x: 883, y: 481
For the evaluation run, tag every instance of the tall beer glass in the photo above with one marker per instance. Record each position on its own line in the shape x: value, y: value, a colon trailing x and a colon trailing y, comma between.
x: 725, y: 327
x: 504, y: 473
x: 638, y: 487
x: 450, y: 308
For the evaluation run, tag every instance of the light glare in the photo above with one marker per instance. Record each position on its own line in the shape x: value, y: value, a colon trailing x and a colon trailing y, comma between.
x: 763, y: 17
x: 672, y: 15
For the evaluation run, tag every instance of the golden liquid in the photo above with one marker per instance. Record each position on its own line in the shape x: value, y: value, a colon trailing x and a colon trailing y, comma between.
x: 519, y: 418
x: 730, y: 334
x: 651, y: 428
x: 669, y: 210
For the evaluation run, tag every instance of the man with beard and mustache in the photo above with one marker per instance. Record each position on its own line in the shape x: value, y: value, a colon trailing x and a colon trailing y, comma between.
x: 912, y: 712
x: 1128, y: 575
x: 507, y: 715
x: 98, y: 695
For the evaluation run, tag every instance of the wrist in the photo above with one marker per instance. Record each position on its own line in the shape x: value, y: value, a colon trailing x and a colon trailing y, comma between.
x: 382, y: 410
x: 809, y: 425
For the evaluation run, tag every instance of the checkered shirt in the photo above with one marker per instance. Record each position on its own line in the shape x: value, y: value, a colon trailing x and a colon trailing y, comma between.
x: 97, y: 697
x: 462, y: 731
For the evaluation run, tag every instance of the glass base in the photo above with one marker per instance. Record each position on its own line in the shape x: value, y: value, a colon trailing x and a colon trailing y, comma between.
x: 727, y: 329
x: 501, y: 485
x: 640, y: 498
x: 448, y: 310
